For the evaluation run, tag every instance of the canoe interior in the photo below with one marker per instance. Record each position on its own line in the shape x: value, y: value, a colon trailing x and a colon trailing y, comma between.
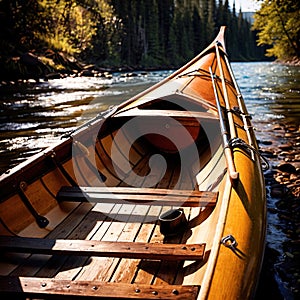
x: 136, y: 170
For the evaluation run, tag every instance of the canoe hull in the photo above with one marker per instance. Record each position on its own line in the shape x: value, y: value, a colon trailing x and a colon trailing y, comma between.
x: 85, y: 216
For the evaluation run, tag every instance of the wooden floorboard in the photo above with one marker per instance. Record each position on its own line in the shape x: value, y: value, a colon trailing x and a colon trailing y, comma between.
x: 77, y: 266
x: 31, y: 264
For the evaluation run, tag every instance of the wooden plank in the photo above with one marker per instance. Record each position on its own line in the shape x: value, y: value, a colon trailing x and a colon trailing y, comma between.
x: 138, y: 196
x: 50, y: 288
x: 169, y: 271
x: 103, y: 248
x: 177, y: 114
x: 148, y: 271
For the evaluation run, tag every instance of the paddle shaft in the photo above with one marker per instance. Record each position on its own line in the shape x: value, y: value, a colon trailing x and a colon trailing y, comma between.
x: 232, y: 131
x: 227, y: 151
x: 244, y: 113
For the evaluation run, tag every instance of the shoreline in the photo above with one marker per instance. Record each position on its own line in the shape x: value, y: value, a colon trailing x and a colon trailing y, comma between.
x: 281, y: 146
x: 34, y: 68
x: 293, y: 61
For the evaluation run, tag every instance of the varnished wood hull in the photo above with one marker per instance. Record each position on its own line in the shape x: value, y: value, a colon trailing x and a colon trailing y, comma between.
x: 83, y: 218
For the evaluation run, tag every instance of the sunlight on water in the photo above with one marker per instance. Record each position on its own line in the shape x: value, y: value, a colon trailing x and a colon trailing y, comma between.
x: 34, y: 116
x: 79, y: 83
x: 271, y: 91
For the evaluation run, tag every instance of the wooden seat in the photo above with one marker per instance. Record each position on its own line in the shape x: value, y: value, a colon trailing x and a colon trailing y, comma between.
x: 49, y: 288
x: 183, y: 116
x: 147, y: 196
x: 139, y: 250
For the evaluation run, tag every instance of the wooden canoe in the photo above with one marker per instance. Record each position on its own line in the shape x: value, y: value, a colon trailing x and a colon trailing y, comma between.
x: 162, y: 197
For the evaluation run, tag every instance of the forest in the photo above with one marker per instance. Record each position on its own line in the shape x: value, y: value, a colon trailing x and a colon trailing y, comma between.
x: 40, y: 37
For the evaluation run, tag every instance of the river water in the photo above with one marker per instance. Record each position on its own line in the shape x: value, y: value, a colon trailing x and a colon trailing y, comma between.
x: 35, y: 115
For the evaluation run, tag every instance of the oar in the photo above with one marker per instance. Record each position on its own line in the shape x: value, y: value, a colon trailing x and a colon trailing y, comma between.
x: 232, y: 131
x: 245, y: 116
x: 227, y: 151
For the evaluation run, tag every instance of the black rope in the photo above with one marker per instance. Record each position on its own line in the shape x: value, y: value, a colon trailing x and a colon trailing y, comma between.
x: 238, y: 142
x: 195, y: 71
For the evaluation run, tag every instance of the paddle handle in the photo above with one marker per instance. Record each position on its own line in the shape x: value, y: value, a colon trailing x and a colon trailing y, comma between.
x: 233, y: 174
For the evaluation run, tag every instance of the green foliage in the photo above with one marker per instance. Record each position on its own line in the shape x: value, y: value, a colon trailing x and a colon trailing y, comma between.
x: 64, y: 25
x: 278, y: 22
x: 135, y: 33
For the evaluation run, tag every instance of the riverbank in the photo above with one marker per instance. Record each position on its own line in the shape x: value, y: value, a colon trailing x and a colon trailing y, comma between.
x: 293, y: 61
x: 280, y: 144
x: 51, y: 65
x: 31, y: 67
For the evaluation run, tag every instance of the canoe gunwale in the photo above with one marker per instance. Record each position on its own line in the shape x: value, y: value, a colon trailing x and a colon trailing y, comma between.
x: 34, y: 168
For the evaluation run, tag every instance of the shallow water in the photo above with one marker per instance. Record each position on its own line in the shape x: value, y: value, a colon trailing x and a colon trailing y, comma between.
x: 34, y: 116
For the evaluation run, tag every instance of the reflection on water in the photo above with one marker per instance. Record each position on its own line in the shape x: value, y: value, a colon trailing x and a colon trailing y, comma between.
x: 34, y: 116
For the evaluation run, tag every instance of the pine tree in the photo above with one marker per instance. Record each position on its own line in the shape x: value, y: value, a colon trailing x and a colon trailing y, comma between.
x: 234, y: 41
x: 153, y: 53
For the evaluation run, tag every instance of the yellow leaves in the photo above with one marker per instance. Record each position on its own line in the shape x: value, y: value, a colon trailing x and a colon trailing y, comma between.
x: 279, y: 27
x: 70, y: 25
x: 49, y: 62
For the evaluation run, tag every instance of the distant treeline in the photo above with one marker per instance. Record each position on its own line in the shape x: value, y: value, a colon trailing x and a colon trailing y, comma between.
x: 117, y: 33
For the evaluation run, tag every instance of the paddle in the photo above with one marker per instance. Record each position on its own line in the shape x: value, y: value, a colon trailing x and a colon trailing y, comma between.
x: 227, y: 151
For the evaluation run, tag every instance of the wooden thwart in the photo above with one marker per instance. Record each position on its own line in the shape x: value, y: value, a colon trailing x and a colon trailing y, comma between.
x: 102, y: 248
x: 177, y: 114
x: 50, y: 288
x: 148, y: 196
